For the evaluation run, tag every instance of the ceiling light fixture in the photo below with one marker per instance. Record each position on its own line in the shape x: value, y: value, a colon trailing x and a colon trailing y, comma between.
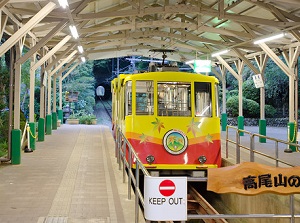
x: 74, y: 31
x: 219, y: 53
x: 80, y: 49
x: 63, y: 3
x: 270, y: 38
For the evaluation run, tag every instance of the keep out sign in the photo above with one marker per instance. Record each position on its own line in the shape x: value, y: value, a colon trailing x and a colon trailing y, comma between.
x: 165, y: 198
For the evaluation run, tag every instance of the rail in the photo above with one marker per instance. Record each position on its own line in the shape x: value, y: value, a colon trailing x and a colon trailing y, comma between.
x: 251, y: 149
x: 124, y: 149
x: 122, y: 146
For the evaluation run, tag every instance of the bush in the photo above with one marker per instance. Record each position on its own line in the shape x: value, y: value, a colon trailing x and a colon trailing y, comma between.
x: 3, y: 149
x: 270, y: 111
x: 86, y: 119
x: 250, y: 107
x: 232, y: 106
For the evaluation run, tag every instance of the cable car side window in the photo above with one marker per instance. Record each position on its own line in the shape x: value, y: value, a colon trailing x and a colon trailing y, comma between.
x: 174, y: 99
x: 128, y: 98
x: 144, y: 97
x: 202, y: 99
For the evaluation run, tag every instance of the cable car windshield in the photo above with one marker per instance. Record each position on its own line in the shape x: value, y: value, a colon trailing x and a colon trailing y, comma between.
x: 174, y: 99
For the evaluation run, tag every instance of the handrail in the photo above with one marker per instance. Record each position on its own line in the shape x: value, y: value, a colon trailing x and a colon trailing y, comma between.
x: 252, y: 150
x: 123, y: 145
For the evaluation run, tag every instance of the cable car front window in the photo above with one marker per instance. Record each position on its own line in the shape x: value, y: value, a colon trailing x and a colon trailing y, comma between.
x: 144, y: 97
x: 203, y: 99
x: 174, y: 99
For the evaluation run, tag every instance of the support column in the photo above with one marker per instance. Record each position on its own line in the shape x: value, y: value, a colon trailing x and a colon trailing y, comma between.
x: 32, y: 134
x: 49, y: 111
x: 261, y: 61
x: 49, y: 124
x: 41, y: 130
x: 262, y: 130
x: 54, y: 120
x: 54, y: 114
x: 292, y: 136
x: 224, y: 114
x: 17, y: 89
x: 240, y: 66
x: 16, y: 146
x: 32, y: 86
x: 60, y: 111
x: 238, y: 76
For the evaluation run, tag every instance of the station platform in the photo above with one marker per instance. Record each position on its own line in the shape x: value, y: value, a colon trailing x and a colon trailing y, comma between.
x: 71, y: 177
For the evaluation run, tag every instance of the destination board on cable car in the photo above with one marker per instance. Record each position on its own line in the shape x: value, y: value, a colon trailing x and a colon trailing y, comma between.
x: 165, y: 198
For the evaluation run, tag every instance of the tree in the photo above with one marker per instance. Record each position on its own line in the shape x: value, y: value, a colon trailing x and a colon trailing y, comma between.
x: 277, y: 87
x: 82, y: 80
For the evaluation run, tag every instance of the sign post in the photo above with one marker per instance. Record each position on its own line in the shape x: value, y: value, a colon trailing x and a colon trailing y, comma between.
x: 165, y: 198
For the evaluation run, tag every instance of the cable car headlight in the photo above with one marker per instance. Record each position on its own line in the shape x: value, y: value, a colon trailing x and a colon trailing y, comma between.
x: 202, y: 159
x: 150, y: 159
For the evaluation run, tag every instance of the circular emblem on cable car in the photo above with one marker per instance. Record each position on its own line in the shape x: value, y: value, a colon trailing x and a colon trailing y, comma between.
x: 175, y: 141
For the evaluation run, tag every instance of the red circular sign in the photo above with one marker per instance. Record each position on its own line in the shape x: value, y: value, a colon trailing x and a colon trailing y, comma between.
x: 167, y: 188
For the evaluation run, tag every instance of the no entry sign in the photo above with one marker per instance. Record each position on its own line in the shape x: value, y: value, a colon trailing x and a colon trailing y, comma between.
x: 165, y: 198
x: 167, y: 188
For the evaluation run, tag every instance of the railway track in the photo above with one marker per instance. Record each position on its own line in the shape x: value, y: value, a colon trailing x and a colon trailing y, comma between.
x: 107, y: 107
x: 198, y: 205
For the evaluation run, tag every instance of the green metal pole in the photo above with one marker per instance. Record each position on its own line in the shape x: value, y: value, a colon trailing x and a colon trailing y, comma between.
x: 241, y: 124
x: 54, y: 120
x: 262, y: 130
x: 224, y: 121
x: 48, y: 124
x: 60, y: 115
x: 41, y: 130
x: 292, y: 135
x: 16, y: 146
x: 32, y: 135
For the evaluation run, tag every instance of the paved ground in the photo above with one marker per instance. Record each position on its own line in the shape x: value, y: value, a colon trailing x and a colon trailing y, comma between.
x: 71, y: 177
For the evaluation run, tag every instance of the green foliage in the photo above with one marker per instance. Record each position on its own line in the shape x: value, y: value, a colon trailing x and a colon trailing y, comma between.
x: 270, y: 111
x: 232, y: 93
x: 3, y: 148
x: 232, y: 106
x: 4, y: 83
x: 250, y: 91
x: 83, y: 81
x: 250, y: 107
x: 276, y: 85
x: 86, y: 119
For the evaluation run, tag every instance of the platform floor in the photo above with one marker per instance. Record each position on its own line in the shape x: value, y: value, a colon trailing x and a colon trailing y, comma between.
x: 71, y: 177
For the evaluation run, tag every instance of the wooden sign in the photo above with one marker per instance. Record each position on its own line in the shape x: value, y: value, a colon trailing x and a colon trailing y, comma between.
x: 72, y: 96
x: 251, y: 178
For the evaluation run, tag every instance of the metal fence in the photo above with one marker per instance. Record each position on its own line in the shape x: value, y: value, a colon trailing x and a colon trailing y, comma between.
x: 124, y: 149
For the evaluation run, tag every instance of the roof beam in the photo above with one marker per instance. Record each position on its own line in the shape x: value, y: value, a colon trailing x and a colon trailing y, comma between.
x: 63, y: 62
x: 183, y: 9
x: 26, y: 28
x: 51, y: 53
x: 72, y: 68
x: 43, y: 41
x: 165, y: 23
x: 60, y: 56
x: 3, y: 3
